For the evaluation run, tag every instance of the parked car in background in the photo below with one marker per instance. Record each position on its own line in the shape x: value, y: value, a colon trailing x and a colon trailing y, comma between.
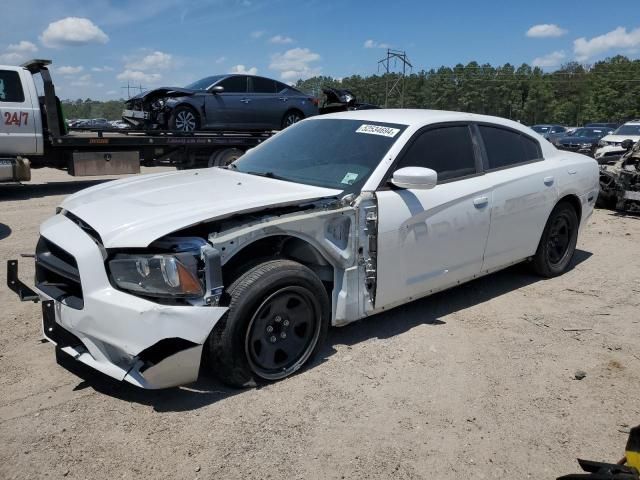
x: 119, y: 124
x: 612, y: 143
x: 335, y: 219
x: 550, y: 132
x: 583, y: 140
x: 92, y: 124
x: 612, y: 126
x: 221, y: 102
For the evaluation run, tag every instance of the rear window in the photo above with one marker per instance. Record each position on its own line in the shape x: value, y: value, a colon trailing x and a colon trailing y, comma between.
x: 10, y: 87
x: 506, y: 148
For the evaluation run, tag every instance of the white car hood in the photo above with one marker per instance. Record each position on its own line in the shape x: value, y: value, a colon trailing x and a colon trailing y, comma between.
x: 135, y: 211
x: 620, y: 138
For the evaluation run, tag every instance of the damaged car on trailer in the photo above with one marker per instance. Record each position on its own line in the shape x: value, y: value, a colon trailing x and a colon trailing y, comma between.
x: 342, y: 100
x: 332, y: 220
x: 220, y: 102
x: 620, y: 180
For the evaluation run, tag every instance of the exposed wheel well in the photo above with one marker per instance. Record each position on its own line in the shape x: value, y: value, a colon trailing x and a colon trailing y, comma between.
x: 279, y: 246
x: 574, y: 201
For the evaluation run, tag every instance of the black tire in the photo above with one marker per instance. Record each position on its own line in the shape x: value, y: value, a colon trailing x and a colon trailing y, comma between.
x: 222, y: 158
x: 291, y: 117
x: 184, y: 119
x: 277, y: 299
x: 558, y: 242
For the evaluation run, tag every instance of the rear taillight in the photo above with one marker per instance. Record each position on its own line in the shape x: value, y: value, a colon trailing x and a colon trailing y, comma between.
x: 315, y: 101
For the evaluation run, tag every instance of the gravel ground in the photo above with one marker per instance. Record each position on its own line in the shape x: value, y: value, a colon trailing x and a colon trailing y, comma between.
x: 478, y: 382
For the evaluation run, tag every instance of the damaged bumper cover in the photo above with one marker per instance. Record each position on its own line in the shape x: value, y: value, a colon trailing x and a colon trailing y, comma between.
x: 123, y: 336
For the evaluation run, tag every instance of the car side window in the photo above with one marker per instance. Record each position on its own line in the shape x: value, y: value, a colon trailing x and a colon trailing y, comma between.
x: 236, y: 84
x: 447, y: 150
x: 506, y: 148
x: 263, y: 85
x: 10, y: 87
x: 282, y: 87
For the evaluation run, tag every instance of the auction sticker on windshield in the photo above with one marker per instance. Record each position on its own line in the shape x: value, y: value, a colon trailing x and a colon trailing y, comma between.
x: 378, y: 130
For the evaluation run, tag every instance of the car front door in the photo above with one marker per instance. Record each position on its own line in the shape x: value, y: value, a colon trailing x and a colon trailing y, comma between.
x: 17, y: 115
x: 523, y: 196
x: 429, y: 240
x: 228, y: 109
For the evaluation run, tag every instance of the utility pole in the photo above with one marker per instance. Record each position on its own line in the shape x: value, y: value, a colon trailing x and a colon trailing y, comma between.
x: 129, y: 87
x: 397, y: 86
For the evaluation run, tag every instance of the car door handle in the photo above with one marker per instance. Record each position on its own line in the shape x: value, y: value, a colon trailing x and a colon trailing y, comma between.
x: 283, y: 99
x: 548, y: 181
x: 572, y: 172
x: 245, y: 100
x: 481, y: 202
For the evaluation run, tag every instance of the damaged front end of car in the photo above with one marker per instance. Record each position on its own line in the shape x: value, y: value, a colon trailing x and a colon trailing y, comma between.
x: 620, y: 181
x: 151, y: 110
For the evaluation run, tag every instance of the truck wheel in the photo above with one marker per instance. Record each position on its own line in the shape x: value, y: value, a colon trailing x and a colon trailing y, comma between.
x: 277, y: 320
x: 184, y: 119
x: 291, y: 117
x: 558, y: 242
x: 222, y: 158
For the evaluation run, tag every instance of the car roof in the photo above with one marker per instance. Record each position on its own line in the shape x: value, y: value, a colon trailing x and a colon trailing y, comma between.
x: 417, y: 117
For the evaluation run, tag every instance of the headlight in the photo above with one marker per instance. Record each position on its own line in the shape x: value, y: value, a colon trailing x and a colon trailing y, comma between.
x: 170, y: 275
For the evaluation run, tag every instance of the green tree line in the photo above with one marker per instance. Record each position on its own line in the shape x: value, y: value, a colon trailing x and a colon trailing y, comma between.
x: 573, y: 95
x: 74, y: 109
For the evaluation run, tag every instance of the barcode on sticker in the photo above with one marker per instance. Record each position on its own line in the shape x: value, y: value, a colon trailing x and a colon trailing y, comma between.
x: 378, y: 130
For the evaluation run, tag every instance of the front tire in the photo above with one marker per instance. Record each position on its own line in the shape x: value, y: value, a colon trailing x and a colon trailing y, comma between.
x: 558, y: 242
x: 277, y: 321
x: 184, y: 119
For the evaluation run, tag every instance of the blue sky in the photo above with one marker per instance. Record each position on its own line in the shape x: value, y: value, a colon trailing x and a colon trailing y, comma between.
x: 99, y: 45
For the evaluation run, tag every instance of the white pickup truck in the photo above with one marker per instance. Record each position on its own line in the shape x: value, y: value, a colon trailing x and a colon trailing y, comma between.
x: 33, y: 135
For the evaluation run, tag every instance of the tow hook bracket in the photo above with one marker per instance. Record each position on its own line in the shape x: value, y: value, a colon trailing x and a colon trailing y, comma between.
x: 16, y: 285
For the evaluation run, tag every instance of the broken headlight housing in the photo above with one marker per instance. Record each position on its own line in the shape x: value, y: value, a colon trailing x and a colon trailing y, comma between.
x: 160, y: 275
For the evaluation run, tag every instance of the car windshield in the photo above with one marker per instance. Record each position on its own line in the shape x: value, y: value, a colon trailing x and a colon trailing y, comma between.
x: 591, y: 132
x: 332, y: 153
x: 628, y: 130
x: 204, y: 83
x: 541, y: 128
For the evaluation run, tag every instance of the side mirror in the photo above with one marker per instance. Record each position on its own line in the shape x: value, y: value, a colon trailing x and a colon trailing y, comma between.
x: 419, y: 178
x: 627, y: 144
x: 217, y: 89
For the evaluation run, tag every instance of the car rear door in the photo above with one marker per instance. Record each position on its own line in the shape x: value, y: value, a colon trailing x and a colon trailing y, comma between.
x: 17, y: 114
x: 230, y: 108
x: 524, y: 193
x: 265, y: 107
x: 429, y: 240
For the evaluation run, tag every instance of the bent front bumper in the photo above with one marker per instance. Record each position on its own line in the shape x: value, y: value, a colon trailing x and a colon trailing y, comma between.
x: 126, y: 337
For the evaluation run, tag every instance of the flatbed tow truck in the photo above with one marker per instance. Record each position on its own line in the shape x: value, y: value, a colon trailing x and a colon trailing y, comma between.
x: 33, y: 134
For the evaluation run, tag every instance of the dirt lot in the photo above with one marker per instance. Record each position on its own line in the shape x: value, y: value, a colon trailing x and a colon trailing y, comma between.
x: 477, y: 382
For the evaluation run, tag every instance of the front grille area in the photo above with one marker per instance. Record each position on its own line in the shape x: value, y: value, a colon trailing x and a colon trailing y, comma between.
x: 57, y: 274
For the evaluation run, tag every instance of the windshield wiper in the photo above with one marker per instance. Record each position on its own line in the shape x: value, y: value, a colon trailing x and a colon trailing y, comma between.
x: 267, y: 174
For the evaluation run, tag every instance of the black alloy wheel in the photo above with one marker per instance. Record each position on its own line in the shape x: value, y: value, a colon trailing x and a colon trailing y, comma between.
x: 283, y: 332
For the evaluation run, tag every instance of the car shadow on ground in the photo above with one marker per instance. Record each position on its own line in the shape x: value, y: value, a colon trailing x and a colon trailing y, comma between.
x: 25, y: 191
x: 5, y: 231
x: 427, y: 311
